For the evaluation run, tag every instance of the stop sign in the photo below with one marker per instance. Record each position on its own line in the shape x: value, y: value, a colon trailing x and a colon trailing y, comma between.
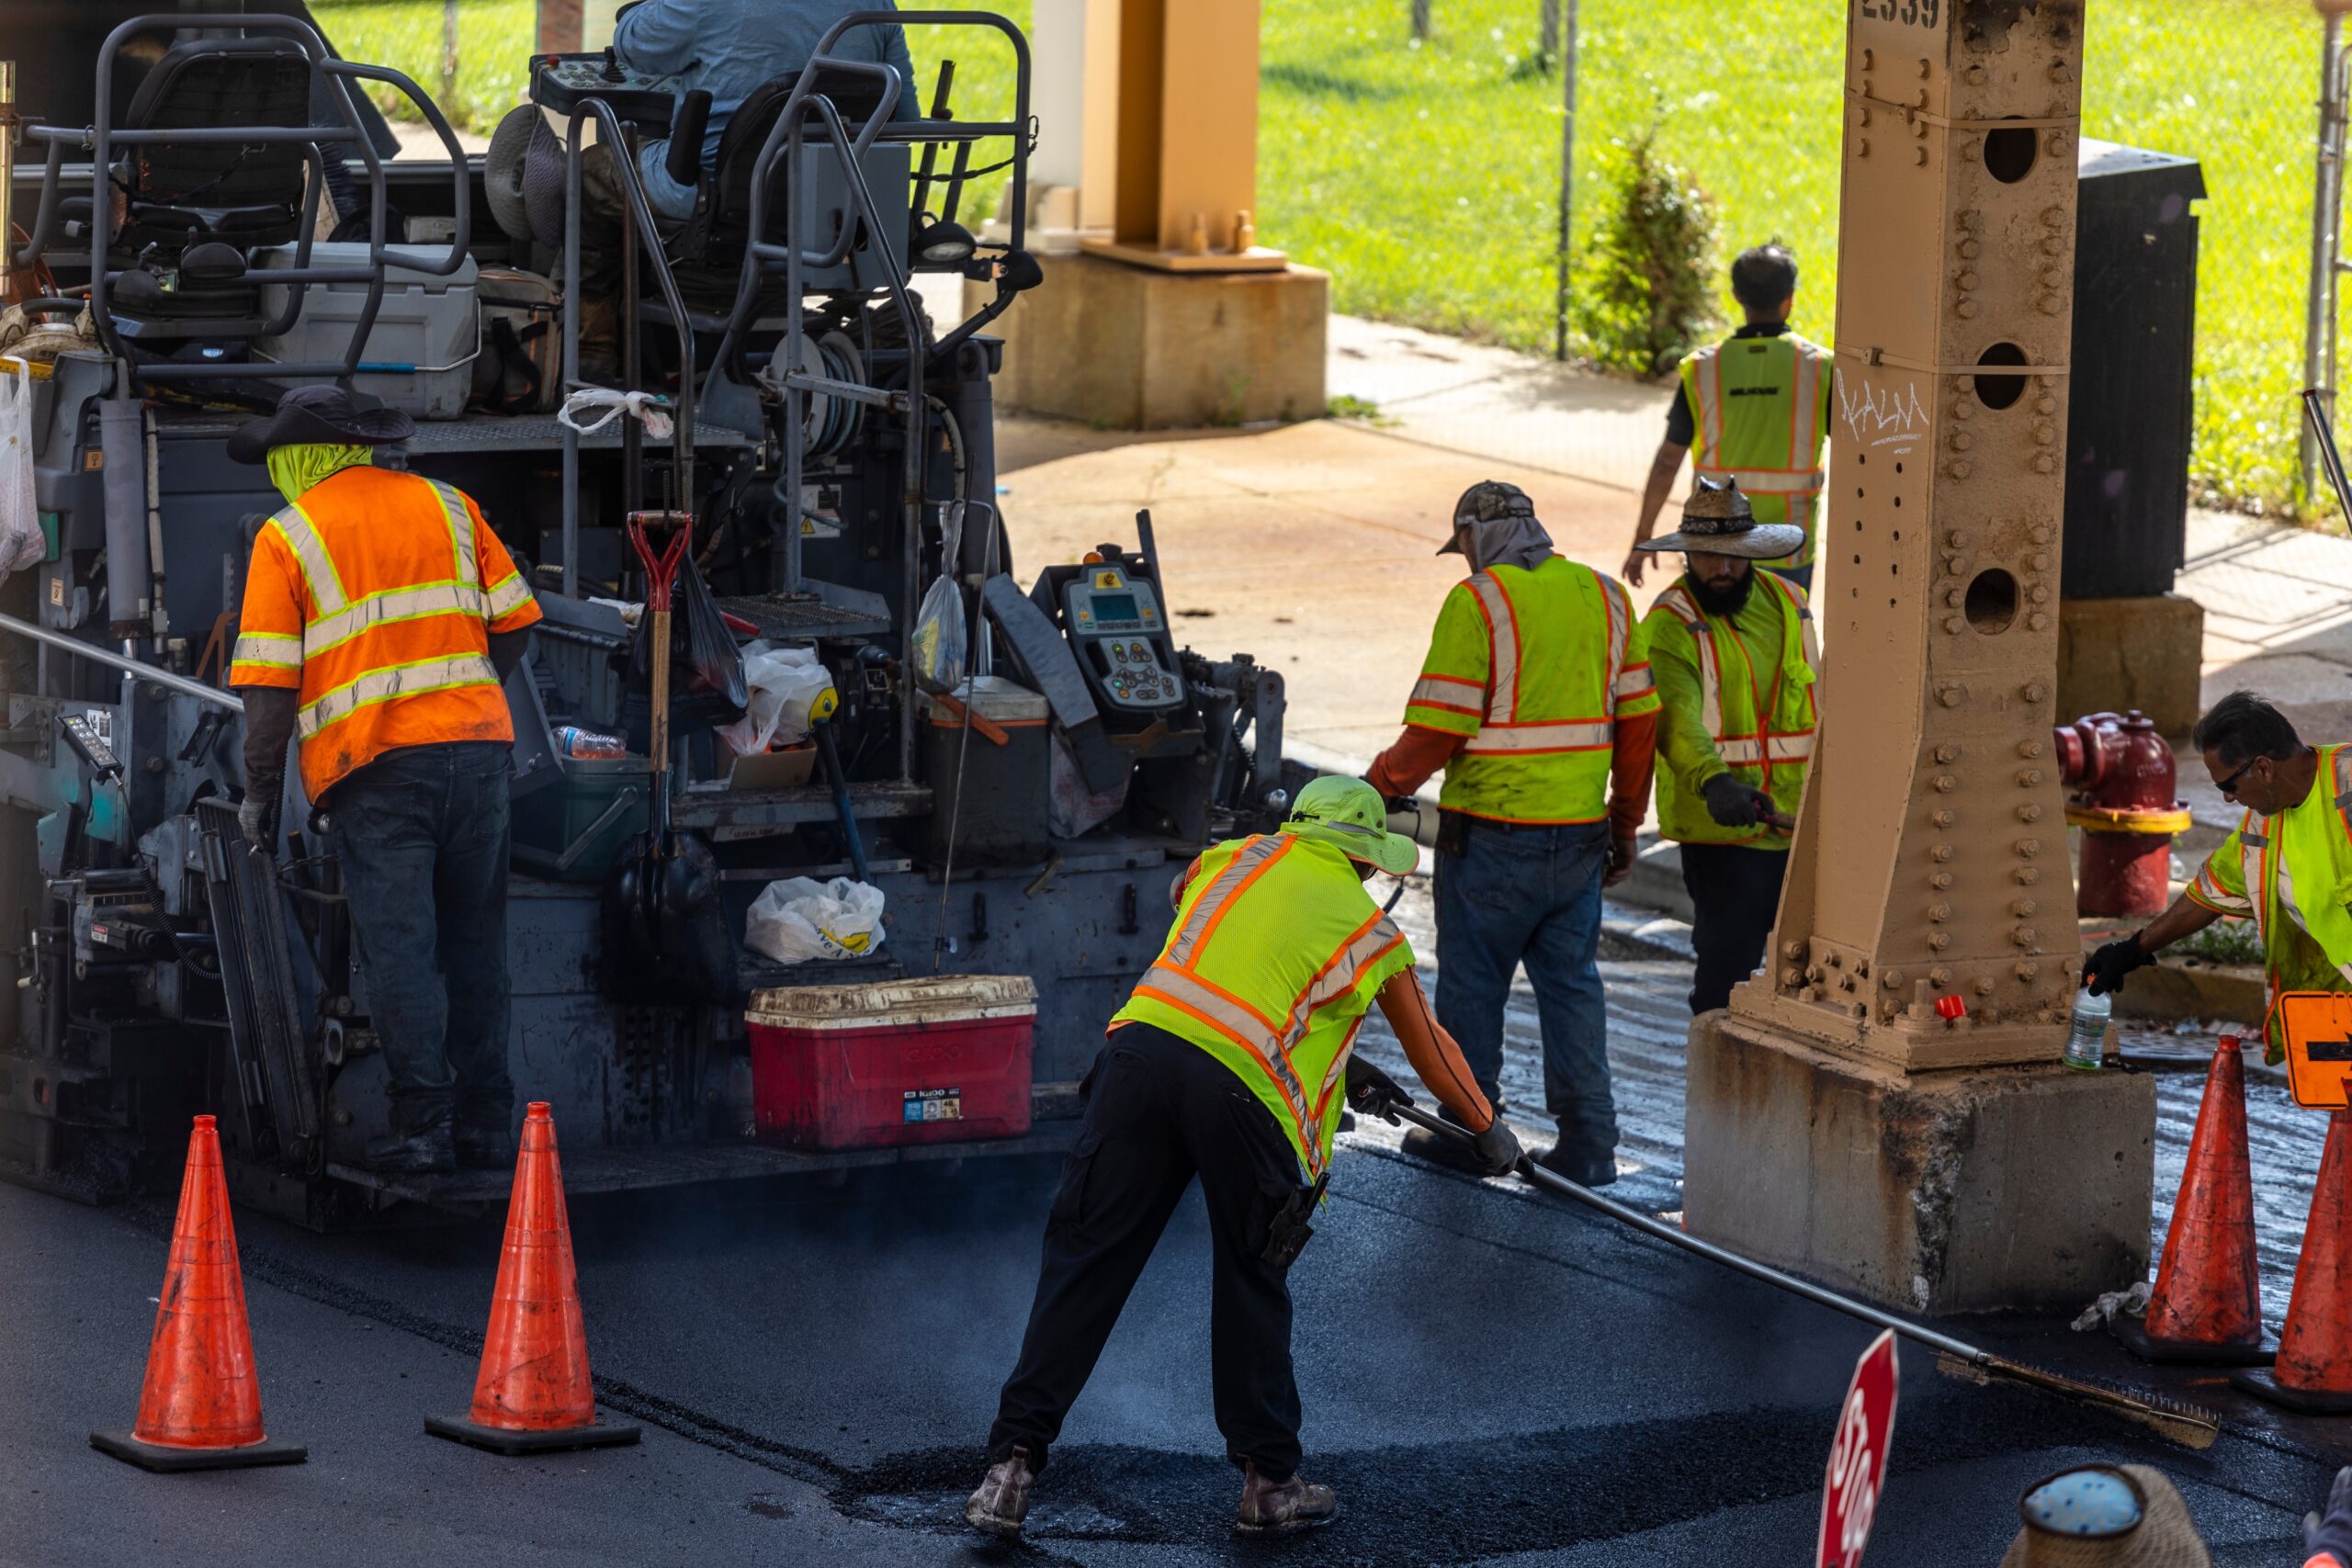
x: 1857, y: 1457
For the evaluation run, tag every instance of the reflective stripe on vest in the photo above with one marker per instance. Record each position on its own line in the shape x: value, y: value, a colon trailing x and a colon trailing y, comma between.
x: 1502, y: 642
x: 1569, y: 735
x: 1451, y: 693
x: 396, y: 680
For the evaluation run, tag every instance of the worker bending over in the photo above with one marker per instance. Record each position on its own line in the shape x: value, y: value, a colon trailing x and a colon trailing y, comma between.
x: 1226, y: 1063
x: 1755, y: 409
x: 380, y: 617
x: 2288, y: 865
x: 1536, y: 700
x: 1734, y: 653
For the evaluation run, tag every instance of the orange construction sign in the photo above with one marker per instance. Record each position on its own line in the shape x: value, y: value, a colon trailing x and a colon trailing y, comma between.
x: 2318, y: 1025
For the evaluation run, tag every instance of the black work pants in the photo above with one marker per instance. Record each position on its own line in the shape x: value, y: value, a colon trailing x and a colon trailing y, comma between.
x: 1160, y: 1110
x: 421, y: 834
x: 1735, y: 895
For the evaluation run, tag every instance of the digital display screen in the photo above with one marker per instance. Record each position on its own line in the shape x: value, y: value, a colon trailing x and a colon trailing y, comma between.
x: 1115, y: 607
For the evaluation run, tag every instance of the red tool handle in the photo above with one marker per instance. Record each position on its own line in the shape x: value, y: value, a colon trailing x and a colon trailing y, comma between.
x: 662, y: 571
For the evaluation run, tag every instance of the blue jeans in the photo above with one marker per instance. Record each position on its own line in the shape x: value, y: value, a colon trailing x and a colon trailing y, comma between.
x: 421, y: 837
x: 1531, y: 894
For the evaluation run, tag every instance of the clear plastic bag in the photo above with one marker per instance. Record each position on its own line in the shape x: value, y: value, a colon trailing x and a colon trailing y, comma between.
x: 942, y: 640
x: 21, y: 543
x: 797, y: 919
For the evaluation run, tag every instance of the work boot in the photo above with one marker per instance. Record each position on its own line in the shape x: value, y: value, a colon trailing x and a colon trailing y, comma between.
x: 1454, y: 1153
x: 1585, y: 1170
x: 485, y: 1146
x: 1283, y: 1507
x: 424, y: 1151
x: 1002, y: 1500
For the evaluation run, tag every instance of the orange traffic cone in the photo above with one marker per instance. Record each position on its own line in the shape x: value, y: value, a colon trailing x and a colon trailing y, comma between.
x: 200, y: 1407
x: 2207, y: 1306
x: 2313, y: 1373
x: 534, y: 1394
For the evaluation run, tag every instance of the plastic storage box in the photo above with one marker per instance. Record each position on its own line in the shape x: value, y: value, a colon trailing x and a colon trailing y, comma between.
x: 944, y: 1059
x: 995, y: 799
x: 419, y: 352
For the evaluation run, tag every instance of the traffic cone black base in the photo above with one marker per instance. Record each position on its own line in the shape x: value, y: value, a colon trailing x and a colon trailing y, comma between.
x: 2260, y: 1383
x: 2134, y: 1337
x: 602, y: 1433
x: 165, y: 1460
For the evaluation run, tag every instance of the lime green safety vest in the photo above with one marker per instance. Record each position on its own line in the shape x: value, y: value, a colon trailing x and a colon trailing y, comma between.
x: 1758, y: 403
x: 1276, y: 955
x: 1749, y: 709
x: 1534, y: 668
x: 2291, y: 875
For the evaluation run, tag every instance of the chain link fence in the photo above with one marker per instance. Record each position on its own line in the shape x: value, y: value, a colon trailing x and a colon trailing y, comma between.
x: 1413, y: 148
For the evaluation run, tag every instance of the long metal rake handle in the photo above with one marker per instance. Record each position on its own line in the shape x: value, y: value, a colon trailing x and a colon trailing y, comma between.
x: 2194, y: 1428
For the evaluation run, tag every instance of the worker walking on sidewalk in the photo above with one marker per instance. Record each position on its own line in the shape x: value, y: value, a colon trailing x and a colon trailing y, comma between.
x: 1734, y: 653
x: 2287, y: 866
x: 381, y: 618
x: 1536, y: 700
x: 1754, y: 410
x: 1226, y: 1063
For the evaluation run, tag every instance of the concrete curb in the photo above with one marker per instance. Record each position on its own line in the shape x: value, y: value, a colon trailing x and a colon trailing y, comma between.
x: 2175, y: 991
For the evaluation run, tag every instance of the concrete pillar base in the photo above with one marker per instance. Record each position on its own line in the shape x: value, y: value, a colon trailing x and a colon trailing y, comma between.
x: 2148, y: 654
x: 2020, y: 1187
x: 1132, y: 348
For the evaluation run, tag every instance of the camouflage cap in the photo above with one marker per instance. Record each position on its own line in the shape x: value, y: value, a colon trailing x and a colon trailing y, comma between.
x: 1488, y: 501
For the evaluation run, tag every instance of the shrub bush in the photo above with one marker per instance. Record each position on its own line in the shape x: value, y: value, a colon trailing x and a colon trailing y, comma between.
x: 1649, y: 293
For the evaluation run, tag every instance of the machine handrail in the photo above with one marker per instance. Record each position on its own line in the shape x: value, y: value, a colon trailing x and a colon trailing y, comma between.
x: 102, y: 137
x: 124, y: 662
x: 1019, y: 126
x: 611, y: 132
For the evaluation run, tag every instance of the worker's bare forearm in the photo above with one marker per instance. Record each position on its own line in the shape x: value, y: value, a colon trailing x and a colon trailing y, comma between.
x: 1658, y: 488
x: 2186, y: 918
x: 1436, y: 1059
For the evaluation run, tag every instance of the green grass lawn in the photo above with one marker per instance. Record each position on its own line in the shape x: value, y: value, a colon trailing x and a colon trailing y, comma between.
x: 1425, y: 175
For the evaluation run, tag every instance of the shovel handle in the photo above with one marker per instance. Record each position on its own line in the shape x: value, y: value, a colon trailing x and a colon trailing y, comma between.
x: 990, y: 730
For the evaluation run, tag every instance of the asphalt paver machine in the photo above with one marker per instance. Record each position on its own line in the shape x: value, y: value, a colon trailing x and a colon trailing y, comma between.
x: 221, y: 219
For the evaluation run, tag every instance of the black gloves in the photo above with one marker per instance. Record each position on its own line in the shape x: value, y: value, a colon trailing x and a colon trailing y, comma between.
x: 1736, y: 805
x: 1372, y: 1092
x: 1497, y: 1149
x: 2103, y: 972
x: 2333, y: 1531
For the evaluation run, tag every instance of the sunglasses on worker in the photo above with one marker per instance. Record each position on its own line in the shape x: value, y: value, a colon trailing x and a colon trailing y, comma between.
x: 2229, y: 787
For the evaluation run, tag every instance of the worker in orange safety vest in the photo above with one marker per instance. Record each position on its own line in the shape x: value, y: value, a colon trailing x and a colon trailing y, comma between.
x: 381, y: 616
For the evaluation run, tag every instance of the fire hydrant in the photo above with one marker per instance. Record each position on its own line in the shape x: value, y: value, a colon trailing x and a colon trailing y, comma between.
x: 2121, y: 771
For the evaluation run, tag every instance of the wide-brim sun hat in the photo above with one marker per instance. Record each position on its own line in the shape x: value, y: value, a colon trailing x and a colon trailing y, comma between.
x: 1349, y: 816
x: 320, y: 416
x: 502, y: 169
x: 2106, y: 1515
x: 1717, y: 521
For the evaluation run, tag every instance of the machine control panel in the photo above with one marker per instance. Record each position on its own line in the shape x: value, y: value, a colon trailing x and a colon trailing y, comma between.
x: 1116, y: 619
x: 82, y: 733
x: 559, y: 82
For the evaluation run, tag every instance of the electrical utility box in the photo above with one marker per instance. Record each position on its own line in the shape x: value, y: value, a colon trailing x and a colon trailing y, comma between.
x: 2131, y: 407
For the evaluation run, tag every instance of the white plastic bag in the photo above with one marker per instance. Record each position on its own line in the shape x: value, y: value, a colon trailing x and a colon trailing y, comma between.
x: 941, y: 637
x: 21, y: 543
x: 796, y: 919
x: 785, y: 683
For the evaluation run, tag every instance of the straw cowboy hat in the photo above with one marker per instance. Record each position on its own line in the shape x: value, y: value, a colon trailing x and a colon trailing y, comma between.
x: 1717, y: 521
x: 2106, y: 1515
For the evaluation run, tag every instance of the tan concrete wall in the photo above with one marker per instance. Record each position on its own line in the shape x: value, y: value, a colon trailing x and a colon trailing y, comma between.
x: 2026, y: 1188
x: 2148, y: 654
x: 1130, y: 349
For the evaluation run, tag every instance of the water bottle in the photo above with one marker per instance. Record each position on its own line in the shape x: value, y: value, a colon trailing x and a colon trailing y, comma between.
x: 574, y: 741
x: 2087, y: 1041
